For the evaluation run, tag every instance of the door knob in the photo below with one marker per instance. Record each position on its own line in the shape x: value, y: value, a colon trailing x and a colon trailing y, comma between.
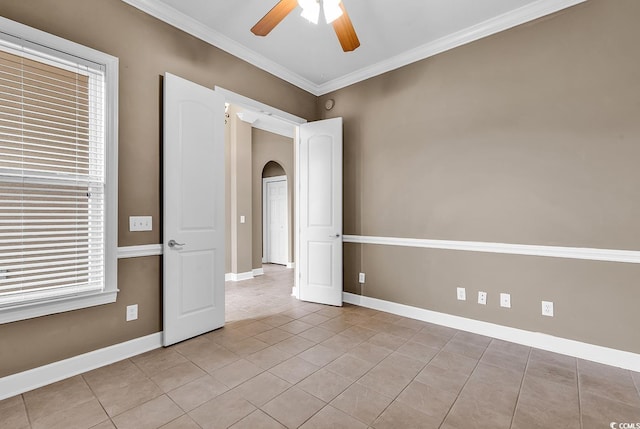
x: 174, y: 243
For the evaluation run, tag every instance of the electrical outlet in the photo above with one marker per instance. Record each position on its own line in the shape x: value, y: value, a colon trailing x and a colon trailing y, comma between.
x: 361, y: 278
x: 243, y: 219
x: 482, y: 298
x: 140, y: 223
x: 132, y: 312
x: 505, y: 300
x: 462, y: 294
x: 547, y: 308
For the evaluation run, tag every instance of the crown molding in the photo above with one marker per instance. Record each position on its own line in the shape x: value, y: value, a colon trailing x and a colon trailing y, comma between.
x: 470, y: 34
x: 197, y: 29
x: 489, y: 27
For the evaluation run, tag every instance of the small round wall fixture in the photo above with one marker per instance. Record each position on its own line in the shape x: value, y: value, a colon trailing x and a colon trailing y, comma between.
x: 329, y: 104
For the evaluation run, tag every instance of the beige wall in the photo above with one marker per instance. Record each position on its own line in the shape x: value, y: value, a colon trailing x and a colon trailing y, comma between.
x: 270, y: 147
x: 147, y: 49
x: 239, y: 172
x: 530, y: 136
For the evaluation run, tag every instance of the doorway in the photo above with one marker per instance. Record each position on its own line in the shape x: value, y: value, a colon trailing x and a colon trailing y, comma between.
x: 258, y: 150
x: 315, y: 182
x: 188, y: 110
x: 275, y: 225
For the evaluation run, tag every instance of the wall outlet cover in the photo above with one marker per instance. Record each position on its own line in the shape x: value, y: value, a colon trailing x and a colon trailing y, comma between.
x: 462, y: 294
x: 505, y: 300
x: 361, y: 278
x: 132, y: 312
x: 482, y: 298
x: 547, y: 308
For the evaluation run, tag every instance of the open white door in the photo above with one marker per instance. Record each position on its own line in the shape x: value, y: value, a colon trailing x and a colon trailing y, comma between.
x: 193, y: 216
x: 320, y: 211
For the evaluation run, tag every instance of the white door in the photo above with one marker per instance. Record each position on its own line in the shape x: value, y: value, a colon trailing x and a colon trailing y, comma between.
x: 193, y: 216
x: 320, y: 211
x: 275, y: 223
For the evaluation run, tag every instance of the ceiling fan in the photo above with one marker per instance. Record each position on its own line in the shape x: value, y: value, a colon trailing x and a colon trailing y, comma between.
x: 334, y: 12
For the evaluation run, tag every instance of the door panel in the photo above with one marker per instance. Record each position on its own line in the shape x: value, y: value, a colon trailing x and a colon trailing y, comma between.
x: 193, y: 213
x: 195, y: 267
x: 320, y: 270
x: 277, y: 223
x: 320, y: 184
x: 320, y: 210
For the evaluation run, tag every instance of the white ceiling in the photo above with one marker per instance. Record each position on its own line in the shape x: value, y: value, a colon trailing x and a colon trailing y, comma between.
x: 392, y: 33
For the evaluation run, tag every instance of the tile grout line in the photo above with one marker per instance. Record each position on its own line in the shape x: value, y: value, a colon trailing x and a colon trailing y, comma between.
x: 413, y: 379
x: 356, y: 381
x: 294, y: 385
x: 404, y: 388
x: 324, y: 367
x: 524, y: 373
x: 26, y: 410
x: 97, y: 399
x: 465, y: 382
x: 579, y: 395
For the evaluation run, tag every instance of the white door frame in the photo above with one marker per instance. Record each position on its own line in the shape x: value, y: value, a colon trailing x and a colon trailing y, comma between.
x: 265, y: 235
x: 240, y: 100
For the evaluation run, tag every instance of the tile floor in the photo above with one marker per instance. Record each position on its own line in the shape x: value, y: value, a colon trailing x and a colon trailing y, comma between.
x: 283, y: 363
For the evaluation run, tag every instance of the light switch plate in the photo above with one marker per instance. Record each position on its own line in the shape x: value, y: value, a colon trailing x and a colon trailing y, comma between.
x: 140, y: 223
x: 361, y: 278
x: 242, y: 219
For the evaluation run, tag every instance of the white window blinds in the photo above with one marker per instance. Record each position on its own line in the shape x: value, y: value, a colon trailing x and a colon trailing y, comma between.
x: 52, y: 176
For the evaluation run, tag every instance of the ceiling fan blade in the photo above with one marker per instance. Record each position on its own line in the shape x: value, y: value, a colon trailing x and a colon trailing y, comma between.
x: 273, y: 17
x: 345, y: 31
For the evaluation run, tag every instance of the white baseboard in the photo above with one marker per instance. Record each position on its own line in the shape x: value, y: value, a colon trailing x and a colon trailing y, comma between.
x: 22, y: 382
x: 238, y: 277
x: 258, y: 272
x: 291, y: 264
x: 608, y: 356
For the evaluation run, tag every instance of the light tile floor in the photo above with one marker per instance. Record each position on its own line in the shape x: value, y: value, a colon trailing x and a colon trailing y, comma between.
x: 284, y: 363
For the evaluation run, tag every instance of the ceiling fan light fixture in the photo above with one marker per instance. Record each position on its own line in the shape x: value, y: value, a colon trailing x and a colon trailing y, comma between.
x: 332, y: 10
x: 310, y: 10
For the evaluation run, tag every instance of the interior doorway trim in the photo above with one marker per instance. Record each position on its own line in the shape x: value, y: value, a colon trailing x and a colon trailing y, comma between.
x: 248, y: 103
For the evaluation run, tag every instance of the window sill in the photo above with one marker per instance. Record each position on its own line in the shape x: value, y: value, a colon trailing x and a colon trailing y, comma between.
x: 28, y: 311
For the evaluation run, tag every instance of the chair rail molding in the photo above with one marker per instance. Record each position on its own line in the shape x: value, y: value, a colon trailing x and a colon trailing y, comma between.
x: 591, y: 254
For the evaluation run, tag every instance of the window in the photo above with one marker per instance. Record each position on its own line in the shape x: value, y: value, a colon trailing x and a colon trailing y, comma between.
x: 58, y: 166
